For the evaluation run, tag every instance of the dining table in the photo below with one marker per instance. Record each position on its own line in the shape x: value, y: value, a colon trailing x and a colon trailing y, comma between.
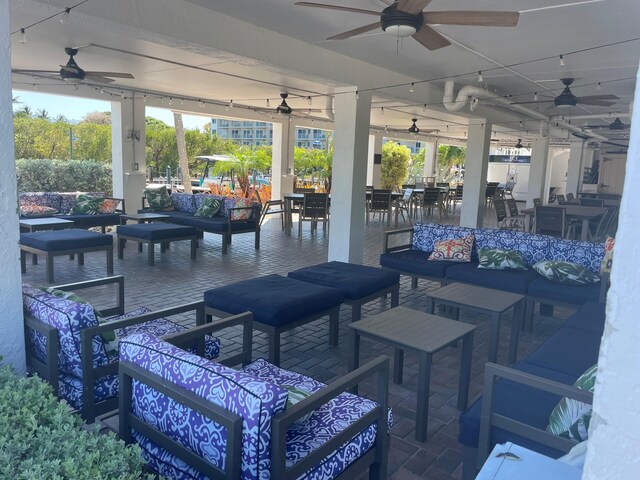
x: 574, y: 212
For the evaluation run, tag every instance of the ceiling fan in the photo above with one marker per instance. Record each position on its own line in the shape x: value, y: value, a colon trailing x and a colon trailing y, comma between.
x: 568, y: 99
x: 72, y: 72
x: 519, y: 144
x: 405, y: 18
x: 615, y: 125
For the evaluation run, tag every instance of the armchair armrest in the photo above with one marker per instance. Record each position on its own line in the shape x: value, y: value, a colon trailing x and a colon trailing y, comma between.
x: 281, y: 422
x: 394, y: 233
x: 488, y: 418
x: 48, y: 371
x: 108, y: 312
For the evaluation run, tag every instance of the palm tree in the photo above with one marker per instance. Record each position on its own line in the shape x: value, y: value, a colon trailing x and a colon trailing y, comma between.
x: 183, y: 159
x: 24, y: 111
x: 244, y: 161
x: 42, y: 113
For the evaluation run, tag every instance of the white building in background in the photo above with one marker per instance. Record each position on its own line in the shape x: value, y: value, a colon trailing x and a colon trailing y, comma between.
x: 257, y: 134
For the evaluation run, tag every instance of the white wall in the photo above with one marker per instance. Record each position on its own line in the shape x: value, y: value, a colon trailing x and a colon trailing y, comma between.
x: 497, y: 172
x: 558, y: 163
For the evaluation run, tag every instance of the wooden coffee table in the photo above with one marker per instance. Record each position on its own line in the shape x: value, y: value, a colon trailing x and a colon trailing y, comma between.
x: 483, y: 300
x: 144, y: 217
x: 422, y: 334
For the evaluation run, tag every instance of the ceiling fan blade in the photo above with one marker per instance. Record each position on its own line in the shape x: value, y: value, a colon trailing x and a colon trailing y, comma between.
x: 532, y: 101
x: 429, y: 130
x: 337, y: 7
x: 431, y: 39
x: 70, y: 69
x: 479, y: 19
x: 26, y: 72
x: 597, y: 103
x: 355, y: 31
x: 412, y: 6
x: 98, y: 78
x: 110, y: 74
x: 597, y: 98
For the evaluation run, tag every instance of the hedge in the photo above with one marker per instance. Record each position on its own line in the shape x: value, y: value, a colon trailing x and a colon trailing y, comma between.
x: 42, y: 175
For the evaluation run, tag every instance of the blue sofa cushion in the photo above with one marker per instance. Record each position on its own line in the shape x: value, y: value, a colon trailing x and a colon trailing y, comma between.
x: 216, y: 224
x: 183, y: 202
x: 590, y: 317
x: 355, y: 281
x: 515, y: 281
x: 586, y: 254
x: 98, y: 220
x: 562, y: 292
x: 425, y: 235
x: 415, y: 261
x: 274, y: 300
x: 156, y: 231
x: 531, y: 246
x: 69, y: 239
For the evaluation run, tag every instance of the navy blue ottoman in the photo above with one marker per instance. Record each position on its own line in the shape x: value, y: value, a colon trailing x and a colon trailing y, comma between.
x: 72, y: 241
x: 278, y: 304
x: 359, y: 284
x: 152, y: 233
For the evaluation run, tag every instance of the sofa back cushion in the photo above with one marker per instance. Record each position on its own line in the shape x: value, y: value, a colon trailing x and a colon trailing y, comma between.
x: 200, y: 198
x: 255, y: 400
x: 531, y: 246
x: 586, y: 254
x: 183, y: 202
x: 43, y: 199
x: 69, y: 318
x: 67, y: 201
x: 425, y: 235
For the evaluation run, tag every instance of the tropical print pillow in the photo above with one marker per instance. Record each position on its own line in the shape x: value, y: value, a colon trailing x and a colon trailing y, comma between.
x: 86, y: 205
x: 109, y: 205
x: 31, y: 210
x: 457, y: 249
x: 209, y: 208
x: 565, y: 272
x: 499, y: 259
x: 158, y: 199
x: 242, y: 214
x: 296, y: 396
x: 605, y: 267
x: 571, y: 418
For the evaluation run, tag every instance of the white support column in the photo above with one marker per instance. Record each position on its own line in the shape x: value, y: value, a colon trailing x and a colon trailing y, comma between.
x: 346, y: 235
x: 538, y: 170
x: 128, y: 151
x: 430, y: 158
x: 282, y: 156
x: 11, y: 320
x: 614, y: 433
x: 475, y: 174
x: 574, y: 169
x: 374, y: 170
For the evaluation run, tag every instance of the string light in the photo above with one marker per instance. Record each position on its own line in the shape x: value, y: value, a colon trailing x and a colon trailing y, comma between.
x: 268, y: 103
x: 382, y: 110
x: 231, y: 104
x: 480, y: 79
x: 200, y: 103
x: 411, y: 87
x: 122, y: 94
x: 64, y: 18
x: 182, y: 101
x: 144, y: 97
x: 561, y: 61
x: 535, y: 96
x: 170, y: 101
x: 23, y: 36
x: 309, y: 100
x: 357, y: 95
x: 35, y: 87
x: 598, y: 87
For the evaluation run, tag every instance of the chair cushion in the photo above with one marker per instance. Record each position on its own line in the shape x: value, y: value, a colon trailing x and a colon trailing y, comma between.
x: 109, y: 205
x: 532, y: 247
x: 183, y: 202
x: 67, y: 200
x: 255, y: 400
x: 36, y: 211
x: 70, y: 239
x: 586, y: 254
x: 273, y: 299
x: 415, y: 261
x: 563, y: 293
x: 498, y: 259
x: 99, y: 220
x: 566, y: 273
x: 200, y: 198
x: 590, y: 317
x: 70, y: 388
x: 44, y: 199
x: 158, y: 199
x: 325, y: 423
x: 456, y: 249
x: 86, y: 205
x: 156, y: 231
x: 355, y: 281
x: 425, y: 235
x: 210, y: 208
x: 605, y: 266
x: 516, y: 281
x: 241, y: 214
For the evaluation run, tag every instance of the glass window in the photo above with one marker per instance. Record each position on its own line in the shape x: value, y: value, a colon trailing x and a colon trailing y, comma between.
x: 247, y: 134
x: 235, y: 133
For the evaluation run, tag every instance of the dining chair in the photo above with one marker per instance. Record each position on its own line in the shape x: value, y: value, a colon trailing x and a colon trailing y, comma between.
x: 550, y: 221
x: 405, y: 204
x: 430, y: 201
x: 516, y: 219
x: 457, y: 196
x: 315, y: 208
x: 570, y: 197
x: 508, y: 189
x: 537, y: 202
x: 501, y: 215
x: 490, y: 192
x: 380, y: 203
x: 271, y: 207
x: 561, y: 200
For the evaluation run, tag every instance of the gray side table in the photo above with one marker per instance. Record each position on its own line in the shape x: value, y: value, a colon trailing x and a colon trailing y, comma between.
x: 421, y: 334
x: 484, y: 300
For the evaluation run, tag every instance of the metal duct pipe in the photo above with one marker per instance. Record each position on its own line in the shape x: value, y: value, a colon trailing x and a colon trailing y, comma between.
x: 467, y: 91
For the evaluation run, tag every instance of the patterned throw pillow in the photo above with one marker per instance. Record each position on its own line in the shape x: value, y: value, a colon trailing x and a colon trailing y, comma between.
x: 31, y: 210
x: 159, y: 199
x: 571, y: 418
x: 608, y: 256
x: 242, y: 214
x: 210, y: 208
x: 86, y: 205
x: 109, y: 205
x: 106, y: 336
x: 498, y: 259
x: 565, y: 272
x: 296, y: 396
x: 457, y: 249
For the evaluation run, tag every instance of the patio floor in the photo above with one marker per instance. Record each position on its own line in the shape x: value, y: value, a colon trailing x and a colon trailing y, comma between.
x: 175, y: 280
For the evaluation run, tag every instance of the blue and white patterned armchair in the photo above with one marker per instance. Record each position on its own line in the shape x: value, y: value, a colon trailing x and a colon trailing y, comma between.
x: 195, y: 418
x: 65, y: 343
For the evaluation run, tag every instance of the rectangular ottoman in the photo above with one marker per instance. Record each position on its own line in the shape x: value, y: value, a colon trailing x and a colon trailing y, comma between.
x: 54, y: 243
x: 152, y: 233
x: 359, y: 284
x: 278, y: 304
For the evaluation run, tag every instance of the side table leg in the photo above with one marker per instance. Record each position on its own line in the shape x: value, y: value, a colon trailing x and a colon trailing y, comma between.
x: 354, y: 358
x: 465, y: 371
x: 516, y: 326
x: 431, y: 305
x: 150, y: 252
x: 495, y: 337
x: 395, y: 296
x: 398, y: 365
x: 334, y: 325
x: 422, y: 407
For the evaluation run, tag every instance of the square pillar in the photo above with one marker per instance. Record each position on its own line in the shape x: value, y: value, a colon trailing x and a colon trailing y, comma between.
x: 348, y: 186
x: 374, y: 170
x: 430, y: 159
x: 574, y: 169
x: 12, y: 346
x: 538, y: 171
x: 282, y: 155
x: 475, y: 174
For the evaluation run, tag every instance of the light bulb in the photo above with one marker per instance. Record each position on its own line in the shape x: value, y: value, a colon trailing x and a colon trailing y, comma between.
x: 309, y: 101
x: 480, y: 79
x: 231, y: 104
x: 144, y: 98
x: 170, y: 101
x: 64, y: 18
x: 535, y: 96
x: 23, y: 36
x: 268, y: 103
x: 561, y: 61
x: 598, y: 87
x: 411, y: 88
x: 382, y: 110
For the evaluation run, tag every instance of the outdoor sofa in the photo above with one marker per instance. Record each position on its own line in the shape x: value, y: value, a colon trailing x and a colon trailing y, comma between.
x: 184, y: 206
x: 60, y: 204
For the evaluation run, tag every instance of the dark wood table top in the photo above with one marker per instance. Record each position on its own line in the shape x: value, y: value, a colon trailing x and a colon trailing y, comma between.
x: 575, y: 211
x: 144, y: 216
x: 475, y: 297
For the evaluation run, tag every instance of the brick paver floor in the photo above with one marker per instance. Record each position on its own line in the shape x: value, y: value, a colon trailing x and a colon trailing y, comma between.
x: 175, y: 280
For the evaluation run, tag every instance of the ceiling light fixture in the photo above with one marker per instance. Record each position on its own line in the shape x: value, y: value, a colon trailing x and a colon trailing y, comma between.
x: 414, y: 128
x: 519, y: 144
x: 284, y: 107
x: 480, y: 78
x: 400, y: 24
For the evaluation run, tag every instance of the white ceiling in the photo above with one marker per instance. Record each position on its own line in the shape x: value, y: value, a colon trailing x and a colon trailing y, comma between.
x: 541, y: 32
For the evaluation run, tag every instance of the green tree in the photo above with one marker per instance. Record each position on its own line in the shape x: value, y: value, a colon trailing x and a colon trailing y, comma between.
x: 395, y: 165
x: 24, y: 111
x: 42, y: 113
x: 243, y: 163
x: 416, y: 166
x: 450, y: 161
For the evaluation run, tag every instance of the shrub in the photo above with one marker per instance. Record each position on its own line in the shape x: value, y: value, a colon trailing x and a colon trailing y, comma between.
x: 40, y: 438
x: 41, y: 175
x: 395, y: 165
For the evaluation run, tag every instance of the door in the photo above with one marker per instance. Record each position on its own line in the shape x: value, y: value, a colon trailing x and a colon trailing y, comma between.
x: 612, y: 172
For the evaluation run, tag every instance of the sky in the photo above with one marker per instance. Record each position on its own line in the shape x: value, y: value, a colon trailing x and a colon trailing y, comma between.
x: 74, y: 108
